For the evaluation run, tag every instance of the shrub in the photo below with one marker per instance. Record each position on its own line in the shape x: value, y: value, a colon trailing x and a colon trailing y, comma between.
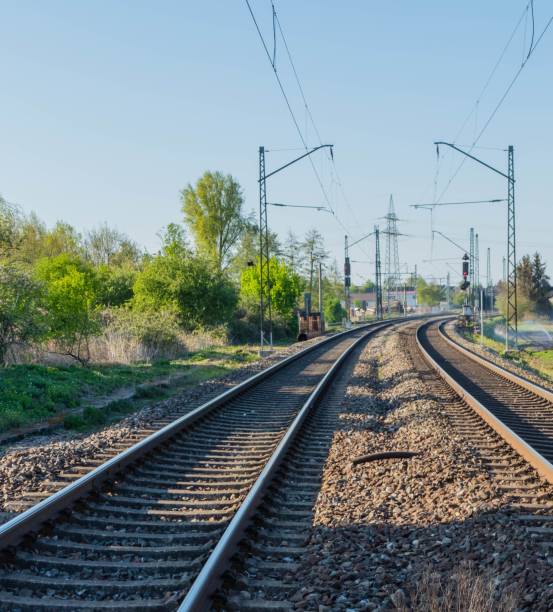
x: 21, y: 316
x: 140, y: 335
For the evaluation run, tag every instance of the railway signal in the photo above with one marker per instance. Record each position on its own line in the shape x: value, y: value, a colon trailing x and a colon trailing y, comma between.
x: 466, y: 283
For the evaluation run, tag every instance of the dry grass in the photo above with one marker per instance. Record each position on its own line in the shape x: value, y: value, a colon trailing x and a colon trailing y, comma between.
x: 464, y: 590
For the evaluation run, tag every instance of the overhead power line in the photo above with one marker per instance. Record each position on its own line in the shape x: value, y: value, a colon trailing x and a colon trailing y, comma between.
x: 289, y: 106
x: 531, y: 50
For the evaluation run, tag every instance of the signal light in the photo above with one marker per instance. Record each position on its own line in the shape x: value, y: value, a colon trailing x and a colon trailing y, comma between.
x: 465, y: 266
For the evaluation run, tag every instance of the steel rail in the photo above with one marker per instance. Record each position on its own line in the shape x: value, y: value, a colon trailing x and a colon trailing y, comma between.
x: 30, y: 520
x: 208, y: 579
x: 525, y: 450
x: 543, y: 392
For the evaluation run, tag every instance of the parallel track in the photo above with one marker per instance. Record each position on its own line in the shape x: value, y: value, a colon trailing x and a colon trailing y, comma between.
x: 137, y: 536
x: 518, y: 410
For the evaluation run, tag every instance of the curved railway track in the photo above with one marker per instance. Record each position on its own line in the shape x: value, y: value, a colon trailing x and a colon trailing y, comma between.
x: 134, y: 533
x: 520, y: 411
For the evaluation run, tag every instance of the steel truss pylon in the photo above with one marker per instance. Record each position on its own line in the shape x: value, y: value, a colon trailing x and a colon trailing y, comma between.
x: 391, y: 264
x: 265, y: 310
x: 512, y: 314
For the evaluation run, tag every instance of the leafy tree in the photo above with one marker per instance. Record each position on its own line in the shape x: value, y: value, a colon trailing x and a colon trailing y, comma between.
x: 115, y: 285
x: 213, y: 212
x: 427, y: 294
x: 184, y: 283
x: 105, y: 245
x: 9, y: 234
x: 248, y: 249
x: 36, y: 241
x: 285, y: 288
x: 533, y: 288
x: 21, y: 314
x: 334, y: 312
x: 71, y: 304
x: 292, y: 250
x: 314, y: 251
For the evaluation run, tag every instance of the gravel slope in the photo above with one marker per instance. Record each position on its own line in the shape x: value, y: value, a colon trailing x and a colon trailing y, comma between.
x: 379, y: 527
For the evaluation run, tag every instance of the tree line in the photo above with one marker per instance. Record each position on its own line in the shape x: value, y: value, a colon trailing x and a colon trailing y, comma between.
x: 62, y: 289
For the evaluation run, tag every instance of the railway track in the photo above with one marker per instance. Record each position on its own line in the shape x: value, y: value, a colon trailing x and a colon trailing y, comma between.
x: 507, y: 419
x: 135, y: 533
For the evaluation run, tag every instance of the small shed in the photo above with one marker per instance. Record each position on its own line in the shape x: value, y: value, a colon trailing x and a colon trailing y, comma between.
x: 310, y: 325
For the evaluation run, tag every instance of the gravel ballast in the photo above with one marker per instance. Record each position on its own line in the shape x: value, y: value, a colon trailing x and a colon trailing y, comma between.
x: 381, y: 528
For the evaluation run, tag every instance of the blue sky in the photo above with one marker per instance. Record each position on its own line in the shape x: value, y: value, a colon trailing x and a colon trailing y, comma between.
x: 109, y: 108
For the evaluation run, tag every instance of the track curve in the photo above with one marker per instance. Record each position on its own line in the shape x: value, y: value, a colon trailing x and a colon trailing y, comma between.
x: 519, y: 411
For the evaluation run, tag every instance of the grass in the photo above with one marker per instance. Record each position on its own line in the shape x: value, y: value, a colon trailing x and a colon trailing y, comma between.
x: 538, y: 361
x: 33, y: 393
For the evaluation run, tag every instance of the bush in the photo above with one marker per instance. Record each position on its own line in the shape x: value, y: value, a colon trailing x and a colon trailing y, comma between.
x: 140, y: 335
x: 21, y: 317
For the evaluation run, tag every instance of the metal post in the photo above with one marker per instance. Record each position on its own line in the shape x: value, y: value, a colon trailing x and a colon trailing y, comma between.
x: 262, y: 262
x: 481, y: 317
x: 489, y: 281
x: 321, y: 293
x: 404, y: 299
x: 378, y: 276
x: 416, y: 301
x: 347, y: 278
x: 471, y: 269
x: 512, y: 311
x: 477, y: 267
x: 447, y: 291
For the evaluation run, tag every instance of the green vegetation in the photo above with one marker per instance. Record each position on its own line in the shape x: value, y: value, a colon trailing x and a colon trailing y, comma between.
x: 539, y: 362
x: 114, y: 315
x: 31, y: 393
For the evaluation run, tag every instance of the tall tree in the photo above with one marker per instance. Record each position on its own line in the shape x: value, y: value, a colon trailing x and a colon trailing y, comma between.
x: 213, y: 212
x: 9, y: 234
x: 103, y: 243
x: 291, y: 251
x: 313, y: 250
x: 540, y: 286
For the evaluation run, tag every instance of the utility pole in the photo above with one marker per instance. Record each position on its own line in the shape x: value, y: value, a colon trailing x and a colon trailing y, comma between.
x: 415, y: 288
x: 511, y: 324
x: 378, y: 276
x: 321, y: 293
x: 504, y: 270
x: 511, y: 321
x: 264, y: 256
x: 391, y: 267
x: 477, y: 259
x: 347, y: 278
x: 489, y: 285
x: 447, y: 291
x: 265, y: 310
x: 471, y: 268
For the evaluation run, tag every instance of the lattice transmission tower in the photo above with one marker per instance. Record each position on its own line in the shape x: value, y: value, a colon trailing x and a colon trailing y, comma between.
x: 391, y: 262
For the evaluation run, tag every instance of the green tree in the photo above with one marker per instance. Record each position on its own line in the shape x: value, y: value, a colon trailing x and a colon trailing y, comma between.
x: 71, y: 304
x: 115, y: 285
x: 285, y: 288
x: 9, y: 228
x: 21, y: 314
x: 213, y: 212
x: 313, y: 251
x: 427, y: 294
x: 185, y: 283
x: 36, y: 241
x: 334, y: 312
x: 107, y: 246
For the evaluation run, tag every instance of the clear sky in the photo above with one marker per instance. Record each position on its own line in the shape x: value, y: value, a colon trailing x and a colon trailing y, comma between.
x: 109, y: 107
